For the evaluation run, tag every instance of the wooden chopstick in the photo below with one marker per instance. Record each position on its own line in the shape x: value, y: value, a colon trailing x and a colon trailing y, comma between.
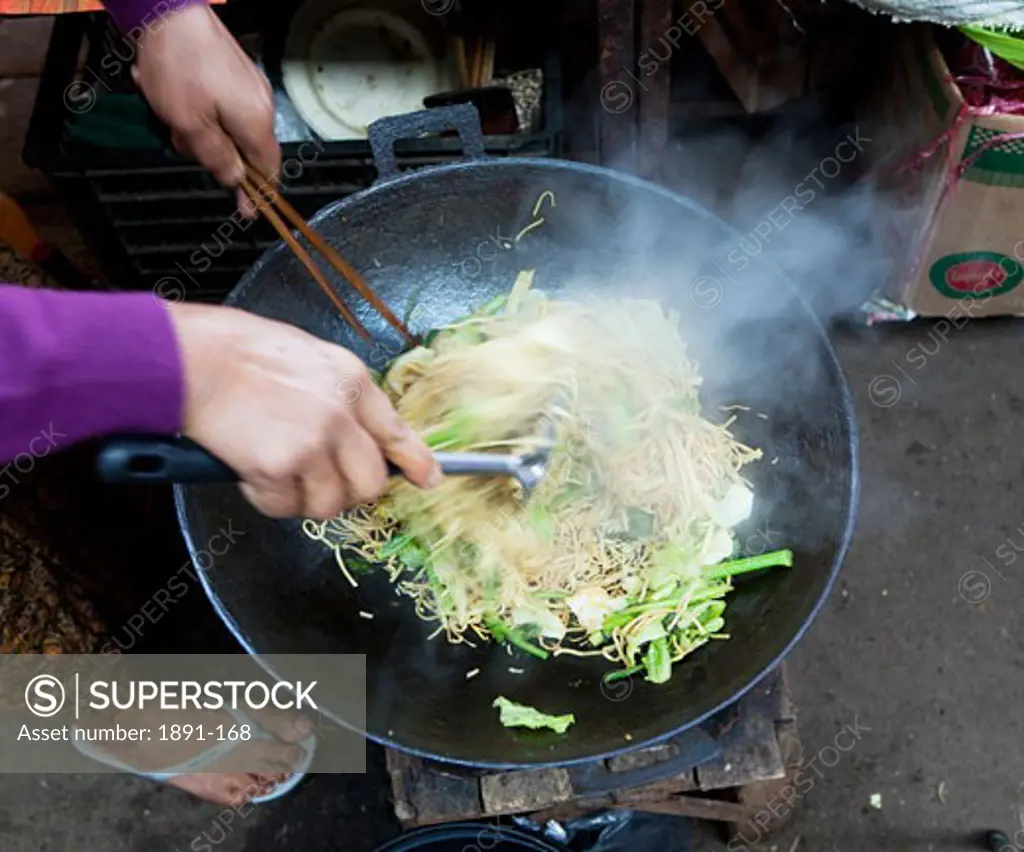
x: 321, y: 245
x: 285, y: 232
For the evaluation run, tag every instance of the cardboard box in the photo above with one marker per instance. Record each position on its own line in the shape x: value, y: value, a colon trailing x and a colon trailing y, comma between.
x: 953, y: 183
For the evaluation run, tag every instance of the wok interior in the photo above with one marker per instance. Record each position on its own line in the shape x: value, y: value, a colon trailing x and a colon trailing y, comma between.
x: 431, y: 242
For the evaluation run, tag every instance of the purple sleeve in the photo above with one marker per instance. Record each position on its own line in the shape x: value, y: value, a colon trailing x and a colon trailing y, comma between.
x: 79, y: 365
x: 145, y: 14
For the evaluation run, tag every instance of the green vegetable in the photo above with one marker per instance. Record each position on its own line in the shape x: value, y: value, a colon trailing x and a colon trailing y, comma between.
x: 465, y: 335
x: 1006, y: 45
x: 658, y: 661
x: 459, y: 430
x: 356, y: 564
x: 395, y: 546
x: 541, y: 521
x: 503, y: 633
x: 491, y: 307
x: 524, y: 281
x: 514, y: 715
x: 622, y: 674
x: 410, y: 552
x: 714, y: 625
x: 641, y: 523
x: 414, y: 555
x: 752, y: 563
x: 650, y: 632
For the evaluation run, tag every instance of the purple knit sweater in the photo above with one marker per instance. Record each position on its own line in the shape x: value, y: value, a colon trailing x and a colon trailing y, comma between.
x: 79, y: 365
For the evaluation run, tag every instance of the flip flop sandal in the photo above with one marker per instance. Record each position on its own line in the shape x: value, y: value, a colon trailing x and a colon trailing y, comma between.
x: 204, y: 759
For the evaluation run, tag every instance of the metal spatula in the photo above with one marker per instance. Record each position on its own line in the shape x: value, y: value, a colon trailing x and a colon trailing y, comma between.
x: 168, y: 460
x: 165, y: 460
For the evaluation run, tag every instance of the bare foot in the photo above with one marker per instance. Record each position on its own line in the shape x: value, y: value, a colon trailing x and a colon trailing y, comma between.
x: 226, y: 788
x: 269, y: 763
x: 251, y: 768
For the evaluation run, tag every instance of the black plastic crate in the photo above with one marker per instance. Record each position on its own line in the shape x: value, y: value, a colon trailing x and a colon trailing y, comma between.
x: 152, y: 218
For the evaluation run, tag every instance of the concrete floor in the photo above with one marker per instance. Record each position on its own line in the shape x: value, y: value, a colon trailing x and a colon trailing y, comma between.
x: 935, y: 677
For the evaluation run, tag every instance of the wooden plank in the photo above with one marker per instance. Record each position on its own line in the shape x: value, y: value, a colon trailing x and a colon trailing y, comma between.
x: 573, y: 810
x: 426, y: 797
x: 655, y: 21
x: 750, y: 748
x: 739, y: 73
x: 641, y: 758
x: 761, y: 57
x: 790, y: 747
x: 515, y: 792
x: 399, y: 766
x: 683, y: 783
x: 618, y: 87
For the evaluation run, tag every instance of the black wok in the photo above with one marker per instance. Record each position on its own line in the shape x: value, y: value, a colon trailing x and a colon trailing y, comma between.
x: 435, y: 243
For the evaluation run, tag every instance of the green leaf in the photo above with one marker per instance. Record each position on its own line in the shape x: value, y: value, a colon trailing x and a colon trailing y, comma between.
x: 658, y: 661
x: 513, y: 715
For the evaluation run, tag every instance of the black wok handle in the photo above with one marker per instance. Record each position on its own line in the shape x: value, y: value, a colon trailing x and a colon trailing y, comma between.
x: 165, y: 461
x: 385, y: 132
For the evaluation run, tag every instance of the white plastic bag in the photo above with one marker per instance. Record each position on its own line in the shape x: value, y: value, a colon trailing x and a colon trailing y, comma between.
x: 1008, y: 14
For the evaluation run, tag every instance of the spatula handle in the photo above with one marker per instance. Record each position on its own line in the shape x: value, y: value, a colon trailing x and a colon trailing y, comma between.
x: 164, y: 461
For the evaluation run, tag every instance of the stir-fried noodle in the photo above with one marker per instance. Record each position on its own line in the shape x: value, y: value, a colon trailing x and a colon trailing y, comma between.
x: 619, y: 551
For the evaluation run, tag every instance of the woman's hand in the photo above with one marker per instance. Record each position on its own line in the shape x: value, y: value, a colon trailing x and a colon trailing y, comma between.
x: 299, y: 420
x: 220, y: 108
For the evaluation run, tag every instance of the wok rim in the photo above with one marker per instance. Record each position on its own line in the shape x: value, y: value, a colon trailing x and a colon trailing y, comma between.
x: 848, y: 410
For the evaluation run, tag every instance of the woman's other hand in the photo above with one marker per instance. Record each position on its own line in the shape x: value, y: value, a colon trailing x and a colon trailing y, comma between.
x: 218, y: 104
x: 299, y: 420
